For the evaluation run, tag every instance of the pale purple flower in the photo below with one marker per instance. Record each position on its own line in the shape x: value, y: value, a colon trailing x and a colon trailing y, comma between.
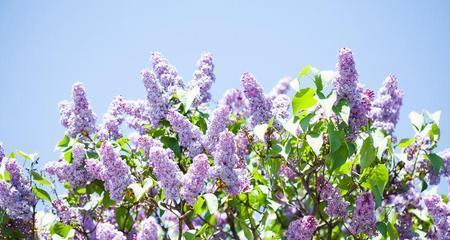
x: 280, y: 110
x: 113, y: 119
x: 259, y: 105
x: 107, y: 231
x: 188, y: 134
x: 148, y: 230
x: 166, y: 73
x: 336, y: 206
x: 216, y: 124
x: 302, y: 229
x: 145, y: 143
x: 65, y: 213
x: 363, y: 220
x: 405, y: 226
x: 282, y: 87
x: 386, y: 107
x: 115, y: 172
x: 93, y: 169
x: 166, y: 171
x: 235, y: 100
x: 287, y: 172
x: 157, y: 103
x: 440, y: 213
x: 2, y: 152
x: 77, y: 116
x: 194, y: 180
x: 242, y: 143
x: 203, y: 78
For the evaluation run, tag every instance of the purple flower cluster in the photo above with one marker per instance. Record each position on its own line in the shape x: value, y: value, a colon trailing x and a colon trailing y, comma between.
x: 166, y: 171
x: 194, y: 180
x: 336, y: 206
x: 363, y: 220
x: 188, y: 134
x: 225, y: 160
x: 166, y: 73
x: 16, y: 195
x: 216, y: 124
x: 77, y: 116
x: 404, y: 226
x: 65, y: 213
x: 440, y: 213
x: 115, y: 172
x: 235, y: 100
x: 386, y: 107
x: 145, y: 143
x: 260, y: 106
x: 157, y: 103
x: 301, y: 229
x: 282, y: 87
x: 2, y: 152
x: 280, y: 110
x: 242, y: 143
x: 113, y: 119
x: 347, y: 86
x: 203, y: 78
x: 107, y: 231
x: 148, y: 230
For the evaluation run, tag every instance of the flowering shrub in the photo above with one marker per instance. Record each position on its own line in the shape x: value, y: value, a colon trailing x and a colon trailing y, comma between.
x: 324, y: 164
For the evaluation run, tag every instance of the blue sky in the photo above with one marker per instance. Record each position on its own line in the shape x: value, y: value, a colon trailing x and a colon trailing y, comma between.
x: 46, y: 46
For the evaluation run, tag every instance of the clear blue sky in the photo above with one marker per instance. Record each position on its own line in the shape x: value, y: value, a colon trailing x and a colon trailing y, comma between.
x: 46, y: 46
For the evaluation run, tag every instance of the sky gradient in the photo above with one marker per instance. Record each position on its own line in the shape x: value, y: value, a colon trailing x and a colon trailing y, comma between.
x: 46, y: 46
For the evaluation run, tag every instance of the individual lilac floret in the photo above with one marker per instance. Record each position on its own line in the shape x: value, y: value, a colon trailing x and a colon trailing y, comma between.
x: 166, y: 171
x: 216, y: 124
x: 107, y: 231
x: 2, y: 152
x: 302, y: 229
x: 336, y: 206
x: 65, y: 213
x: 194, y: 180
x: 148, y: 230
x: 235, y: 100
x: 203, y: 78
x: 282, y: 87
x: 77, y: 116
x: 280, y: 110
x: 440, y: 213
x: 188, y: 134
x: 157, y: 103
x: 386, y: 107
x: 260, y: 106
x: 115, y: 172
x: 166, y: 73
x: 363, y: 220
x: 113, y: 119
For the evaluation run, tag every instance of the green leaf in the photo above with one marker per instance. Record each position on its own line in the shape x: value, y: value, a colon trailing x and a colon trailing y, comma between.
x: 405, y: 142
x: 172, y: 143
x: 328, y: 103
x: 376, y: 179
x: 304, y: 71
x: 335, y: 137
x: 393, y: 234
x: 315, y: 143
x: 124, y: 219
x: 338, y: 157
x: 260, y: 131
x: 211, y: 202
x: 417, y: 120
x: 40, y: 179
x: 188, y: 97
x: 367, y: 152
x: 382, y: 228
x: 42, y: 194
x: 198, y: 206
x: 189, y: 235
x: 303, y: 99
x: 139, y: 191
x: 63, y: 142
x: 328, y: 77
x: 436, y: 162
x: 24, y: 155
x: 60, y: 229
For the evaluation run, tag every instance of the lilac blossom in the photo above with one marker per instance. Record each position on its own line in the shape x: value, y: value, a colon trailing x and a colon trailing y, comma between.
x: 194, y: 180
x: 2, y: 152
x: 386, y: 107
x: 363, y: 220
x: 336, y: 206
x: 107, y: 231
x: 404, y: 226
x: 145, y: 143
x: 166, y: 73
x: 148, y: 230
x: 115, y: 172
x: 77, y: 116
x: 280, y: 110
x: 282, y: 87
x: 242, y: 143
x: 235, y: 100
x: 302, y: 229
x: 166, y: 171
x: 203, y: 78
x: 188, y: 134
x: 216, y: 124
x: 65, y: 213
x: 259, y: 105
x: 113, y: 119
x: 157, y: 103
x: 440, y: 214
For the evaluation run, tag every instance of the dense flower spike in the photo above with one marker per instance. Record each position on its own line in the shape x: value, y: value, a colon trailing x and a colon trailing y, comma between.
x: 194, y: 180
x: 156, y: 101
x: 166, y: 73
x: 259, y: 105
x: 148, y: 230
x: 107, y: 231
x: 242, y: 143
x: 336, y: 206
x: 166, y: 171
x: 217, y: 123
x: 282, y: 87
x: 189, y: 135
x: 115, y: 173
x: 235, y: 100
x: 302, y: 229
x: 113, y: 119
x: 203, y: 78
x: 386, y: 107
x: 280, y: 110
x: 440, y: 213
x: 2, y: 152
x: 363, y: 220
x: 404, y: 226
x: 77, y: 116
x: 65, y: 213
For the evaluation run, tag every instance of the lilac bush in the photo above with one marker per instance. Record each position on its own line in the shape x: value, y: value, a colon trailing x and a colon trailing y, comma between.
x: 321, y: 163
